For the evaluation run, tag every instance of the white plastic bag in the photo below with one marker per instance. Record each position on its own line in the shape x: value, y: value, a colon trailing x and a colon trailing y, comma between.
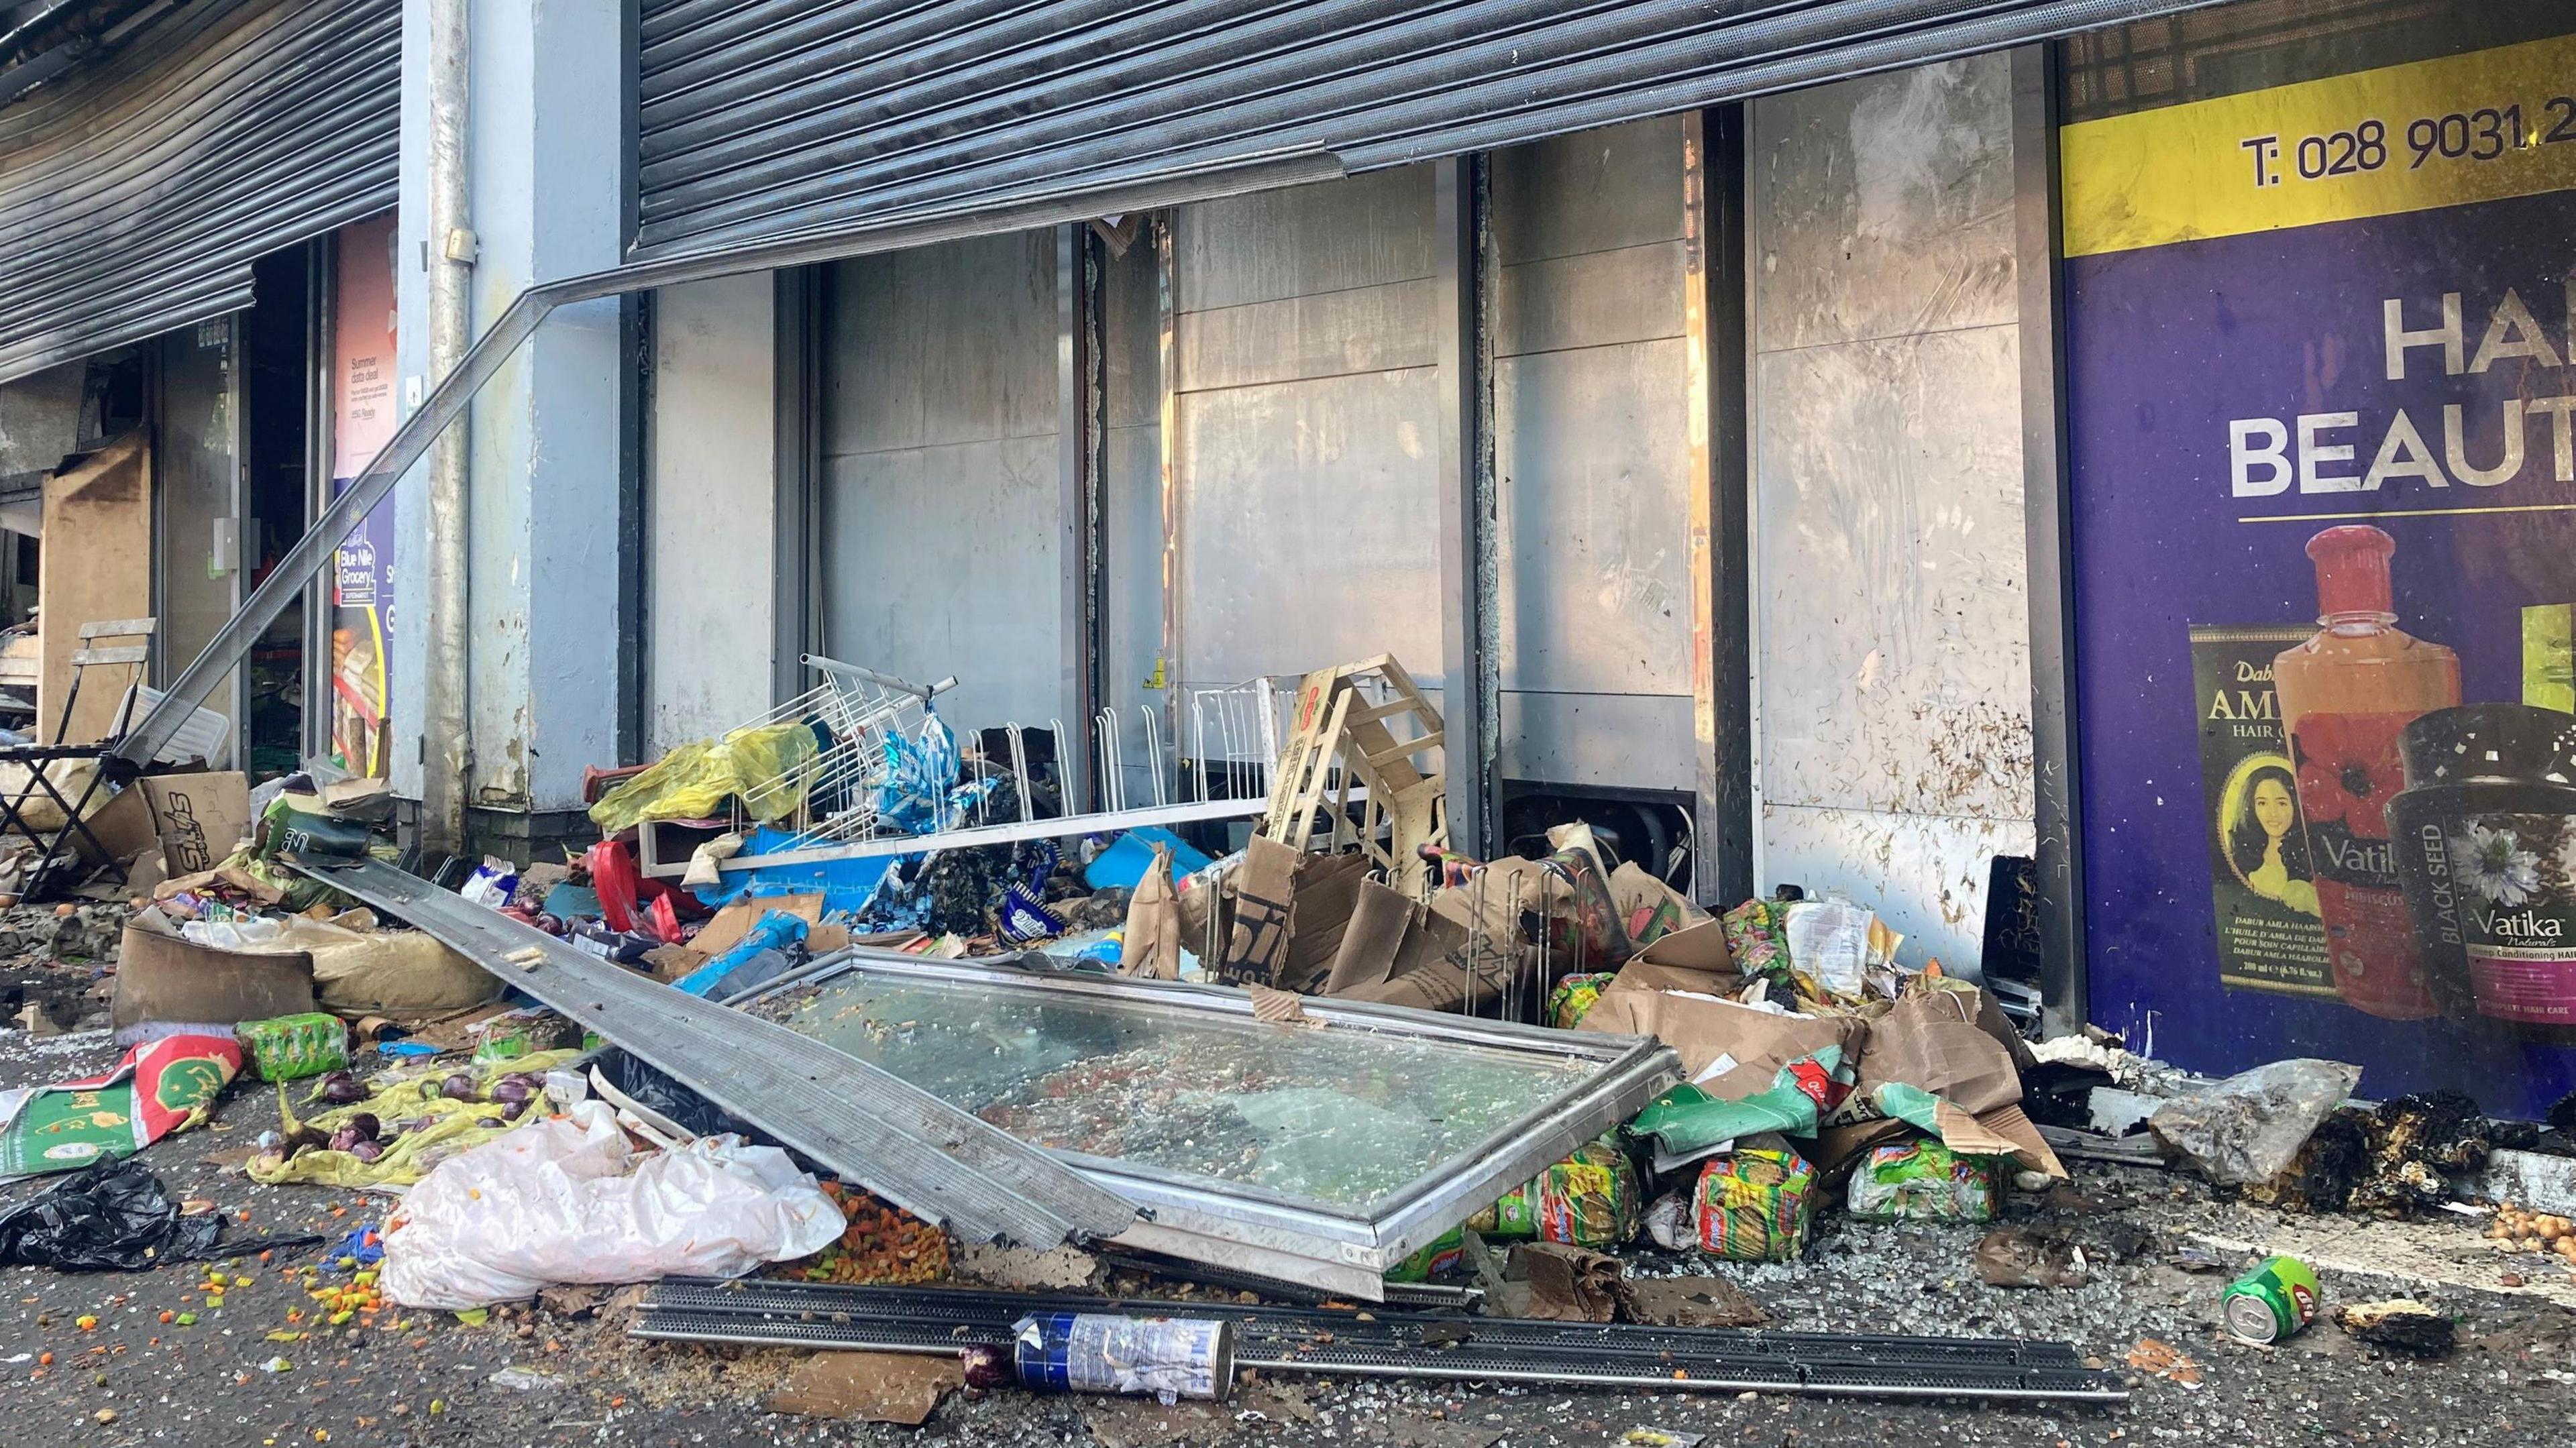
x: 566, y: 1200
x: 251, y: 933
x: 1829, y: 944
x: 2249, y: 1127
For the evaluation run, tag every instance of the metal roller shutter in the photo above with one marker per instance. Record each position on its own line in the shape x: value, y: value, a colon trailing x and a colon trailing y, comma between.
x: 135, y: 194
x: 760, y: 118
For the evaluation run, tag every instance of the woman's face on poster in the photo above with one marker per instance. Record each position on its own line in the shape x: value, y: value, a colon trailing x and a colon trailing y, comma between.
x: 2274, y: 810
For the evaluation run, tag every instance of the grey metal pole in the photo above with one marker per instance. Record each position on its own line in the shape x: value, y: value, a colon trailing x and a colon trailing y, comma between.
x: 1471, y: 668
x: 445, y: 717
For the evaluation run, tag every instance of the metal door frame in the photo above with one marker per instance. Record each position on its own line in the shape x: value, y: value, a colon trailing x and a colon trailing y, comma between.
x: 1716, y: 314
x: 798, y: 310
x: 321, y: 425
x: 237, y: 682
x: 2049, y: 511
x: 1082, y: 469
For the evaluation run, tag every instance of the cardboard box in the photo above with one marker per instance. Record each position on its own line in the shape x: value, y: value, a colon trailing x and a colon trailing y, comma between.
x: 736, y: 919
x: 1729, y: 1051
x: 1371, y: 940
x: 1323, y: 892
x: 1693, y: 958
x: 199, y: 818
x: 161, y: 977
x: 1264, y: 889
x: 196, y: 819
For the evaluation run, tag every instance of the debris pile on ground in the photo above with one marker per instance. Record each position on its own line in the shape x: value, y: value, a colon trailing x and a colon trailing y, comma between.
x: 1748, y: 1111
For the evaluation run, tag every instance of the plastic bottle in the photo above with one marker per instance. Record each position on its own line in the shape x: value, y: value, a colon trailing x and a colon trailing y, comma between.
x: 2345, y: 696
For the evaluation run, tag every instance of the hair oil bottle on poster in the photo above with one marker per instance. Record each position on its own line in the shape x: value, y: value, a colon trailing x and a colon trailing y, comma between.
x: 2486, y: 842
x: 2345, y: 696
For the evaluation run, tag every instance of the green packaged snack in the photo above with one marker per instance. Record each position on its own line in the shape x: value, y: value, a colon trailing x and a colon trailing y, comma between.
x: 1574, y: 997
x: 1437, y: 1260
x: 290, y: 1048
x: 1924, y: 1181
x: 1757, y: 936
x: 1590, y: 1199
x: 1686, y: 1119
x: 504, y: 1045
x: 1753, y: 1205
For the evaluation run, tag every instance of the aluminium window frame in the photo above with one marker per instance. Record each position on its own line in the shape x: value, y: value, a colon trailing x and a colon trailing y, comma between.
x: 1252, y: 1229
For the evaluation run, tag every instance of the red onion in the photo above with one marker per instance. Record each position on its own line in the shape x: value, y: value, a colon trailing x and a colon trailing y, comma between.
x: 986, y: 1366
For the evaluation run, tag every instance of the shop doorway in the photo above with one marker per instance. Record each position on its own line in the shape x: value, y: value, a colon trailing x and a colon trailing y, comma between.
x: 232, y: 424
x: 277, y: 392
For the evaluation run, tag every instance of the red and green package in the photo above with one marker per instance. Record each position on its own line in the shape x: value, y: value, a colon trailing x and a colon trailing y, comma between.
x: 1590, y: 1199
x: 156, y: 1089
x: 1441, y: 1258
x: 1753, y: 1205
x: 1925, y: 1181
x: 1757, y: 936
x: 1574, y: 996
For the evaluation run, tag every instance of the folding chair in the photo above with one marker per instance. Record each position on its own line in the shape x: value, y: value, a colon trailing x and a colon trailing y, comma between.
x: 111, y: 768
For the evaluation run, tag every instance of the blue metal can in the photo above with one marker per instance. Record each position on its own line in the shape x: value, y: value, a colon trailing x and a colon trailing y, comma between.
x: 1084, y: 1352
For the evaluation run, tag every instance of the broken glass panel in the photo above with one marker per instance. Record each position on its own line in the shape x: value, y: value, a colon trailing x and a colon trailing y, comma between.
x: 1319, y: 1152
x: 1332, y: 1116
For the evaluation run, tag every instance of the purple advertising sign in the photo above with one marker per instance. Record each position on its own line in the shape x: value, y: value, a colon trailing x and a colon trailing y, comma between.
x: 2325, y: 551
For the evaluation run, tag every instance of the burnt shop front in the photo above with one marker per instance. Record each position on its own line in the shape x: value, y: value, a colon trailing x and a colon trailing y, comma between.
x: 1575, y: 425
x: 2143, y: 452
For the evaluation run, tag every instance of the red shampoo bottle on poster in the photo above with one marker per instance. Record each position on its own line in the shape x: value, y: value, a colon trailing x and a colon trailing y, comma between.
x: 2345, y: 695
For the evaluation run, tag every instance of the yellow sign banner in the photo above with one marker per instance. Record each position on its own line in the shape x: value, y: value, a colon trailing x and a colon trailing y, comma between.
x: 2479, y: 127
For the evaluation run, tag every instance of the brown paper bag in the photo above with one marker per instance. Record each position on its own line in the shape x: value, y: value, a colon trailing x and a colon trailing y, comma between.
x: 1370, y: 944
x: 1265, y: 886
x: 1649, y: 908
x: 1153, y: 945
x: 1554, y: 1282
x: 1931, y: 1039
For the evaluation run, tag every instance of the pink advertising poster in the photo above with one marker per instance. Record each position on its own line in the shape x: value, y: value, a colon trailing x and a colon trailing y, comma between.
x: 364, y: 413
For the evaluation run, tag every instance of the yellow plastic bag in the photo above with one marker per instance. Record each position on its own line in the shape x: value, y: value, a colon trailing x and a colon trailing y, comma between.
x: 760, y: 764
x: 450, y: 1127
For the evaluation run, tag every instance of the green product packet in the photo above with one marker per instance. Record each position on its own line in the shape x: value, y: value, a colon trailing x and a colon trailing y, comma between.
x: 1687, y: 1119
x: 1574, y: 996
x: 1925, y: 1181
x: 504, y: 1046
x: 1757, y: 936
x: 1590, y: 1199
x: 1753, y: 1205
x: 1437, y: 1260
x: 285, y: 830
x: 290, y: 1048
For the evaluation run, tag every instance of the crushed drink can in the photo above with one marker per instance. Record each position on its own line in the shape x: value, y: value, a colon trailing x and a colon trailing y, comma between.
x: 1089, y: 1352
x: 2271, y: 1302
